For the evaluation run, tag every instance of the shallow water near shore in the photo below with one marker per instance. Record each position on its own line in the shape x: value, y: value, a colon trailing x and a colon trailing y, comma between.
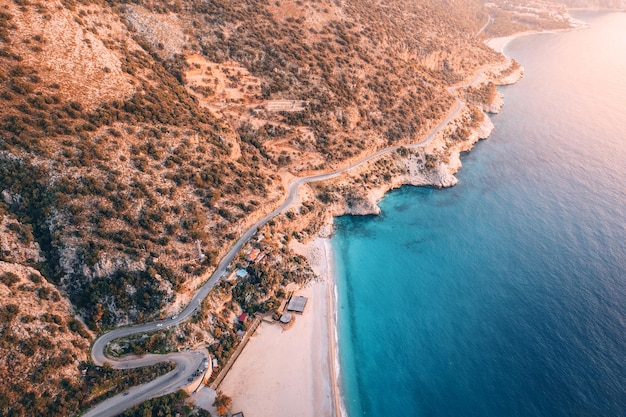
x: 504, y: 295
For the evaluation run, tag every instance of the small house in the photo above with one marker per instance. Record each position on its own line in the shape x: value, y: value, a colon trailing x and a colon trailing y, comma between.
x: 297, y: 304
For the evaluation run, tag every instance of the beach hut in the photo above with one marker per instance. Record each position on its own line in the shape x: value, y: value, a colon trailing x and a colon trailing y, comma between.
x: 286, y: 318
x: 297, y: 304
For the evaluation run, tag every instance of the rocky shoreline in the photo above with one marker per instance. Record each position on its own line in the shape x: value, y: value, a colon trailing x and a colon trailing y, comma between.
x: 433, y: 165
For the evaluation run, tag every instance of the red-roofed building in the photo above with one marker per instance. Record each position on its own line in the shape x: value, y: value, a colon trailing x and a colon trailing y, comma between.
x: 242, y: 318
x: 252, y: 255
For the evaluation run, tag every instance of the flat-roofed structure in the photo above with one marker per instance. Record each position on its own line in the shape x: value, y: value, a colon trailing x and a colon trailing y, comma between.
x: 297, y: 304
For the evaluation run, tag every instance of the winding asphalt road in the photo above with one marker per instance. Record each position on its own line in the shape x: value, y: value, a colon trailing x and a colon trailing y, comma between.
x: 188, y: 362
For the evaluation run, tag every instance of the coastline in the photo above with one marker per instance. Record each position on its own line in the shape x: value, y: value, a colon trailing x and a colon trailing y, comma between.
x: 499, y: 44
x: 507, y: 40
x: 296, y: 371
x: 333, y: 334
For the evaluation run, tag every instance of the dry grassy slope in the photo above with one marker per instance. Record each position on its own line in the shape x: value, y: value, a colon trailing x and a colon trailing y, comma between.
x: 67, y: 48
x: 38, y: 349
x: 372, y: 72
x: 132, y: 171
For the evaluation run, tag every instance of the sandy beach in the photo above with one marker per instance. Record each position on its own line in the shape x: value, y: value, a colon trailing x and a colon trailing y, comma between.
x: 292, y: 372
x: 498, y: 44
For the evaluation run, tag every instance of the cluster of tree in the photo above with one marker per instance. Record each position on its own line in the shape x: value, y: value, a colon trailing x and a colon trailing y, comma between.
x: 158, y: 342
x: 9, y: 278
x: 45, y: 393
x: 172, y: 405
x: 102, y: 382
x: 226, y: 340
x: 8, y: 312
x: 483, y: 93
x: 134, y: 291
x: 222, y: 403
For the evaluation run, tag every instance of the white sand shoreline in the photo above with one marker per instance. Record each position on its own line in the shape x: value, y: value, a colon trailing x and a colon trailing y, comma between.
x: 294, y: 372
x: 499, y: 44
x: 335, y: 368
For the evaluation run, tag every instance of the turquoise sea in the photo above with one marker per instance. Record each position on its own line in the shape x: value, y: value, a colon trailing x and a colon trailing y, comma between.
x: 506, y: 294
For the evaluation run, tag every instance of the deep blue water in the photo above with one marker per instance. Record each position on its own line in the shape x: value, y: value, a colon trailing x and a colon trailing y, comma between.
x: 506, y: 294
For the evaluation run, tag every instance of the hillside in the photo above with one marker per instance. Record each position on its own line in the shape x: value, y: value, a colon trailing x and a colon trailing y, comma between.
x: 42, y: 344
x: 135, y: 175
x: 139, y: 139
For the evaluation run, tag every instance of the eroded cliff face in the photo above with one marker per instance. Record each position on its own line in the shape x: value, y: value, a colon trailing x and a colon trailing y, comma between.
x: 481, y: 131
x: 508, y: 76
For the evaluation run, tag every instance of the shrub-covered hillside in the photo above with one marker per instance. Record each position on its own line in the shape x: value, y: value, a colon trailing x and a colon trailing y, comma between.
x: 134, y: 179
